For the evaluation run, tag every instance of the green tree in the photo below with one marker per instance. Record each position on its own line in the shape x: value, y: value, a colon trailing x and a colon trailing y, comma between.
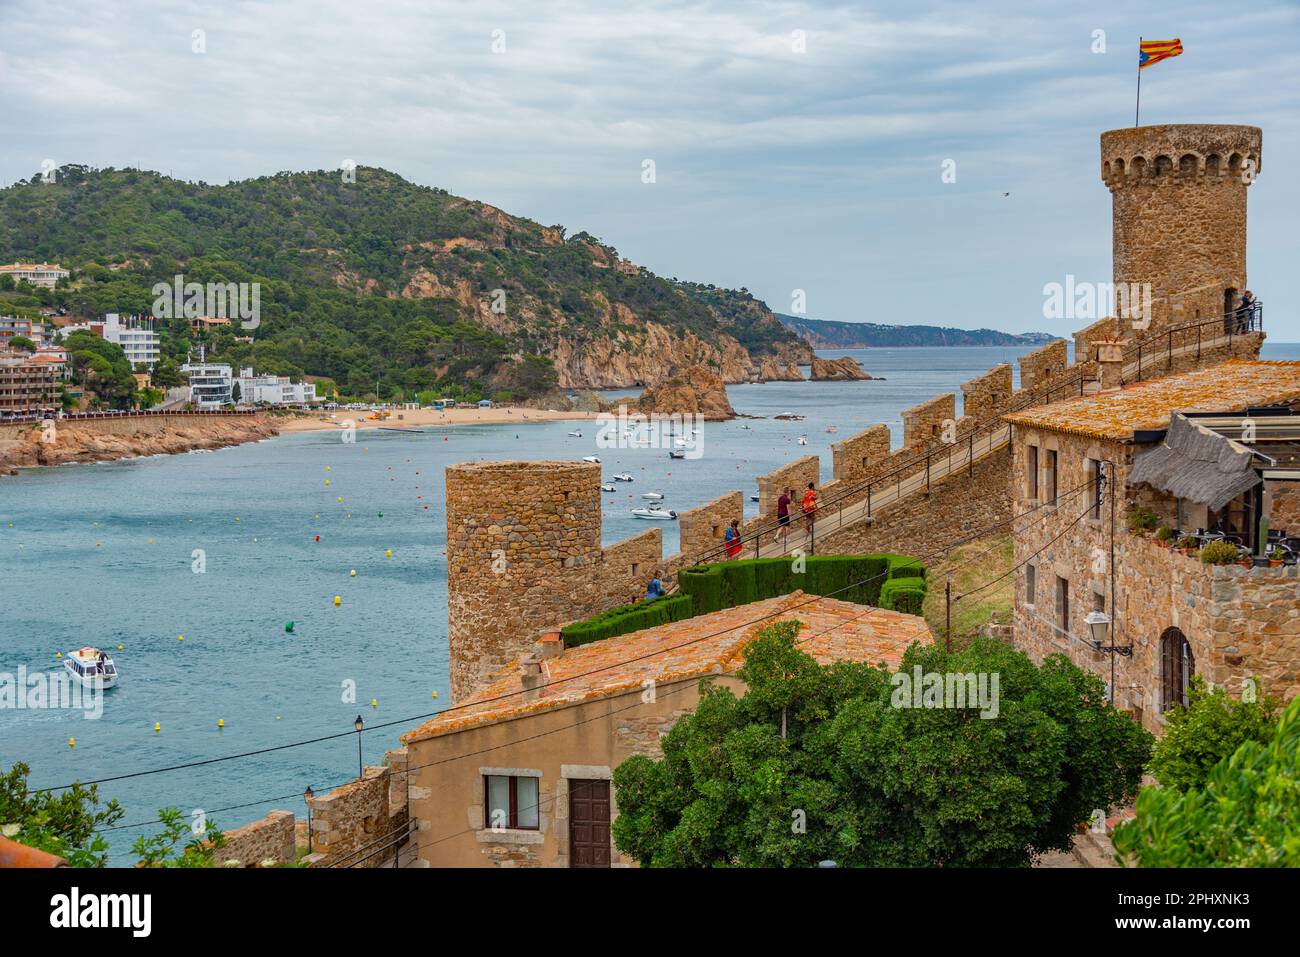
x: 21, y: 342
x: 1212, y: 727
x: 1247, y: 814
x: 816, y: 762
x: 177, y: 845
x: 102, y: 369
x: 63, y: 823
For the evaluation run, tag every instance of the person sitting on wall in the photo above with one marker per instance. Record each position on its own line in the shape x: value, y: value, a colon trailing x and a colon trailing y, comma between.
x: 654, y: 590
x: 732, y: 538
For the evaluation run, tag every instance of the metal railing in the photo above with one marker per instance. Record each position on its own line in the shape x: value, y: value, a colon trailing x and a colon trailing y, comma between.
x: 118, y: 414
x: 987, y: 438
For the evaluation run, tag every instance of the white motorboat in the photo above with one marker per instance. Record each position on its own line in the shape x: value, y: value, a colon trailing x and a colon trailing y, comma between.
x: 753, y: 498
x: 92, y: 667
x: 653, y: 496
x: 575, y: 434
x: 623, y: 477
x: 592, y: 459
x: 607, y: 488
x: 803, y: 440
x: 681, y: 443
x: 655, y: 512
x: 747, y: 427
x: 677, y: 454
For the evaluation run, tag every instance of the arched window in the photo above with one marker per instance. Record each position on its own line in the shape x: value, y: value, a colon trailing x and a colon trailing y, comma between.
x: 1176, y: 668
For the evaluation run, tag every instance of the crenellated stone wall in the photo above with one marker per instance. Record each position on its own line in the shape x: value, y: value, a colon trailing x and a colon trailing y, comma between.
x: 1103, y: 329
x: 627, y: 566
x: 1042, y: 365
x: 854, y: 458
x: 985, y: 396
x: 267, y: 841
x: 923, y: 424
x: 702, y: 528
x: 796, y: 475
x: 353, y: 823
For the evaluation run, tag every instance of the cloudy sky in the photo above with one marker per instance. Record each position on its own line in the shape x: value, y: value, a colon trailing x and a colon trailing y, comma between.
x: 778, y: 164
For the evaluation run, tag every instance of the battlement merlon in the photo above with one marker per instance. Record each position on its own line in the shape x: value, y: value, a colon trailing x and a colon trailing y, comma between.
x: 1139, y: 155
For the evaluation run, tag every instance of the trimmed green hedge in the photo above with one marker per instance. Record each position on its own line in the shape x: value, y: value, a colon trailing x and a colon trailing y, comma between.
x: 903, y: 594
x: 628, y: 618
x: 864, y: 579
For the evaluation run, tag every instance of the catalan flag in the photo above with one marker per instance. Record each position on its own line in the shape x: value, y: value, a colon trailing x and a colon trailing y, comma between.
x: 1151, y: 52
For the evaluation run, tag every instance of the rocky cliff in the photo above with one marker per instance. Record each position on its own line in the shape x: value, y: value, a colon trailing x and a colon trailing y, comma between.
x: 772, y: 371
x: 696, y: 390
x: 85, y: 442
x: 837, y: 370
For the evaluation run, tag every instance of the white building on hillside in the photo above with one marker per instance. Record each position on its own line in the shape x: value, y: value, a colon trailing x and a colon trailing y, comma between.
x: 134, y: 334
x: 210, y: 384
x: 274, y: 390
x: 38, y: 274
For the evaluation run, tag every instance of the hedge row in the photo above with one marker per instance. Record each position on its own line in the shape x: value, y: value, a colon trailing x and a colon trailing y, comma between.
x: 903, y: 594
x: 855, y: 578
x: 628, y: 618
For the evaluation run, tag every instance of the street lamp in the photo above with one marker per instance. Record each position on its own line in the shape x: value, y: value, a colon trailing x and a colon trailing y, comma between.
x: 1098, y: 623
x: 359, y: 725
x: 307, y: 795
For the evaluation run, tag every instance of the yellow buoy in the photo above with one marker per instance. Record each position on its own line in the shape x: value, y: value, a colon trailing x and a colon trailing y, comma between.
x: 374, y: 702
x: 435, y: 694
x: 327, y: 482
x: 180, y: 637
x: 388, y: 553
x: 338, y: 600
x: 72, y: 742
x: 151, y: 541
x: 221, y: 722
x: 119, y: 647
x: 340, y: 499
x: 353, y: 573
x: 236, y: 518
x: 328, y: 469
x: 58, y: 654
x: 277, y: 717
x: 157, y: 727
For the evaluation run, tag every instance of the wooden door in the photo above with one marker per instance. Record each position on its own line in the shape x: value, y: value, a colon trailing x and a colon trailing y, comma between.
x: 588, y: 823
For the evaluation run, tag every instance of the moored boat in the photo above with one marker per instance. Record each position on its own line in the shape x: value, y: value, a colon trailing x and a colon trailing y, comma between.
x: 92, y: 667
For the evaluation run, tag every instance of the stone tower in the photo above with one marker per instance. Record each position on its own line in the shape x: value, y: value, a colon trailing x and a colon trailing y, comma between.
x: 523, y: 547
x: 1179, y: 215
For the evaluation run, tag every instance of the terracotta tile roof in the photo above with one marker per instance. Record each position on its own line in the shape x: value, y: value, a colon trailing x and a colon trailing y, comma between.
x: 834, y: 631
x: 1229, y: 387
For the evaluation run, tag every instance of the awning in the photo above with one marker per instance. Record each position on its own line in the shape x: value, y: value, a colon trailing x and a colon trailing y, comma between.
x: 1196, y: 464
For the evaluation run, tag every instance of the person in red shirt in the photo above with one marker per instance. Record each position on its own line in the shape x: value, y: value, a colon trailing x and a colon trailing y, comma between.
x: 810, y: 505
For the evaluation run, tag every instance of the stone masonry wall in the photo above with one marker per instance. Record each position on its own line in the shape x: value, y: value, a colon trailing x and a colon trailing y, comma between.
x: 269, y: 839
x: 796, y: 475
x: 627, y: 566
x: 354, y: 821
x: 855, y: 456
x: 1037, y: 367
x: 986, y: 395
x: 703, y: 528
x: 923, y: 424
x: 1107, y: 328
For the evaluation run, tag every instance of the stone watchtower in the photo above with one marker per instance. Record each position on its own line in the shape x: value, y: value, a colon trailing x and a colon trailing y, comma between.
x: 1179, y: 215
x: 523, y: 547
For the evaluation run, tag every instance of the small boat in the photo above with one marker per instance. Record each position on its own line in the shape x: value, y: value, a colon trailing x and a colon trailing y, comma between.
x: 592, y: 459
x: 680, y: 443
x: 803, y: 440
x: 575, y: 434
x: 677, y: 454
x: 832, y: 429
x: 747, y: 427
x: 753, y: 498
x: 607, y: 488
x: 653, y: 496
x: 623, y: 477
x: 92, y: 667
x: 655, y: 512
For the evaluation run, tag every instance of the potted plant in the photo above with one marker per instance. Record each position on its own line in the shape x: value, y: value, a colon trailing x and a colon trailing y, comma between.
x: 1219, y: 553
x: 1188, y: 545
x: 1142, y: 520
x: 1163, y: 536
x: 1275, y: 556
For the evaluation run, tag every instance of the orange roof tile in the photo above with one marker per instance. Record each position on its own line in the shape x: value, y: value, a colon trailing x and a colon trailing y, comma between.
x: 1229, y: 387
x: 707, y: 644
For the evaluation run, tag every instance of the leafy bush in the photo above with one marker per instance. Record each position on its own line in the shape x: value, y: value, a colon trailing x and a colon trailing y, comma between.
x: 1164, y: 533
x: 1212, y: 727
x: 872, y: 784
x: 165, y: 849
x: 626, y: 619
x: 1246, y: 815
x: 62, y: 823
x: 1219, y: 553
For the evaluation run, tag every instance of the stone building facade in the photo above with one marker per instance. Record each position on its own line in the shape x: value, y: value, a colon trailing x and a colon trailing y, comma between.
x: 1178, y: 195
x: 1074, y: 557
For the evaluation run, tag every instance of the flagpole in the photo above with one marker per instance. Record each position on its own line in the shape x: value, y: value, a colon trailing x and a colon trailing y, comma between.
x: 1137, y: 107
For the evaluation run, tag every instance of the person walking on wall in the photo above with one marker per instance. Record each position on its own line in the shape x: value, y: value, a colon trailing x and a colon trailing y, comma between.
x: 783, y: 516
x: 655, y: 589
x: 732, y: 538
x: 810, y: 505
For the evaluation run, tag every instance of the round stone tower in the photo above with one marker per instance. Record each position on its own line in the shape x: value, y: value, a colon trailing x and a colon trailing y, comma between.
x: 523, y: 555
x: 1179, y: 218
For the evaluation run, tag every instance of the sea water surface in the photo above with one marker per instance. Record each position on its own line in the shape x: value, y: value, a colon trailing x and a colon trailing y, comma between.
x: 224, y: 548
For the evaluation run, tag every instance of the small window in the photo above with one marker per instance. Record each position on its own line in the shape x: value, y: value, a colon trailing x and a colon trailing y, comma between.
x: 1050, y: 497
x: 1031, y: 582
x: 1031, y: 471
x: 1062, y: 604
x: 510, y: 802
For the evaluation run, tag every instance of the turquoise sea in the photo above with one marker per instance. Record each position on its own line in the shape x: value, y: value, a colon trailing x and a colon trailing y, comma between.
x: 77, y: 567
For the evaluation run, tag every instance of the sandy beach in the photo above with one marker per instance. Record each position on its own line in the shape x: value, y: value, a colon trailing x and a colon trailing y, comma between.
x: 417, y: 418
